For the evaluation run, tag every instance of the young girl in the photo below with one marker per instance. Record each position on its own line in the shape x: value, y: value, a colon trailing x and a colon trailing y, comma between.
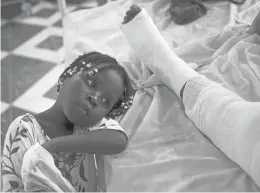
x: 93, y: 90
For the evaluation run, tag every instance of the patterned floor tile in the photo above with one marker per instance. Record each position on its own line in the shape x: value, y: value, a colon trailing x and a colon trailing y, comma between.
x: 3, y: 54
x: 30, y: 49
x: 3, y: 22
x: 4, y: 106
x: 10, y: 11
x: 14, y: 34
x: 81, y: 7
x: 7, y: 118
x: 101, y: 2
x: 18, y: 74
x: 33, y: 99
x: 45, y: 13
x: 53, y: 42
x: 29, y: 74
x: 75, y: 2
x: 91, y: 3
x: 58, y: 24
x: 52, y: 93
x: 72, y: 2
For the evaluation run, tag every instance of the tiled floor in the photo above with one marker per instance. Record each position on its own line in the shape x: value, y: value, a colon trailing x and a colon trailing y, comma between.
x: 31, y: 51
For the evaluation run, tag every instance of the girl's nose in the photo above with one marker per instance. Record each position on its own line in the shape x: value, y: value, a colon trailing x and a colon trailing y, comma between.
x: 93, y: 100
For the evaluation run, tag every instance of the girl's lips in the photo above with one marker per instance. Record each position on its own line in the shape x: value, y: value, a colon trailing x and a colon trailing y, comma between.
x: 85, y: 110
x: 88, y: 105
x: 85, y: 107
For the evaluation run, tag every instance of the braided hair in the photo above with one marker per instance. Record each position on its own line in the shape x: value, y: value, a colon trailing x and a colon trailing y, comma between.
x: 94, y: 62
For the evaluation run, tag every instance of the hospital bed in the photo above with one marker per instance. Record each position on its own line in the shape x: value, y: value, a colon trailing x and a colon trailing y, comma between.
x: 166, y: 151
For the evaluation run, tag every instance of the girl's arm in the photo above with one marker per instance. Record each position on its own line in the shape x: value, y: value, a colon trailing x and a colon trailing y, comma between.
x: 101, y: 141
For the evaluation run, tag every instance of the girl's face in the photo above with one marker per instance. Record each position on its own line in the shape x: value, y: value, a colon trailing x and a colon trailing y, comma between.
x: 87, y: 99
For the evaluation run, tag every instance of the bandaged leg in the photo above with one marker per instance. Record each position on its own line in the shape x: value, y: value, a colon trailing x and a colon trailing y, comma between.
x: 230, y: 122
x: 148, y: 44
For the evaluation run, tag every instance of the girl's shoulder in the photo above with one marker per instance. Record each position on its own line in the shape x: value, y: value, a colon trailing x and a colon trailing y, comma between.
x: 25, y: 125
x: 27, y: 121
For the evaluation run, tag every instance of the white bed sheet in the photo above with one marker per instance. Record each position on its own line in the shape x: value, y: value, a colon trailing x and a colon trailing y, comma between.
x: 166, y: 151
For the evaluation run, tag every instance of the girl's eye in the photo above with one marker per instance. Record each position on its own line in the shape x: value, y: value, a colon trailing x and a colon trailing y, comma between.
x: 91, y: 83
x: 105, y: 101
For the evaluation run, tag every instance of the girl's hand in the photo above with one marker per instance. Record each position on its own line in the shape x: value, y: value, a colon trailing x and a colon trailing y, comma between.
x: 49, y: 146
x: 101, y: 141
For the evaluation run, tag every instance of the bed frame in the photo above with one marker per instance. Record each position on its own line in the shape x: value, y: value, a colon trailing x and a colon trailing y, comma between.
x: 63, y: 7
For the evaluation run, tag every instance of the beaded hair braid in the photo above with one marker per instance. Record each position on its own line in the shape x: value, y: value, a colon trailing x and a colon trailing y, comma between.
x: 92, y: 63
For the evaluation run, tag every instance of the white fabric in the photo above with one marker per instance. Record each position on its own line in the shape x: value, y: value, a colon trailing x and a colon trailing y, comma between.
x: 159, y: 173
x: 166, y: 151
x: 224, y: 117
x: 246, y: 16
x: 39, y: 172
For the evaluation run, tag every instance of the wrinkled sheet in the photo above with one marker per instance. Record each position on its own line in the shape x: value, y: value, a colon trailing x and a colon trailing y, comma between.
x: 99, y: 28
x: 166, y: 151
x: 241, y: 53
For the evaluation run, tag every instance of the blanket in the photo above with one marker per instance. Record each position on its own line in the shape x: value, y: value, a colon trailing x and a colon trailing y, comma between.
x: 162, y: 148
x: 166, y: 151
